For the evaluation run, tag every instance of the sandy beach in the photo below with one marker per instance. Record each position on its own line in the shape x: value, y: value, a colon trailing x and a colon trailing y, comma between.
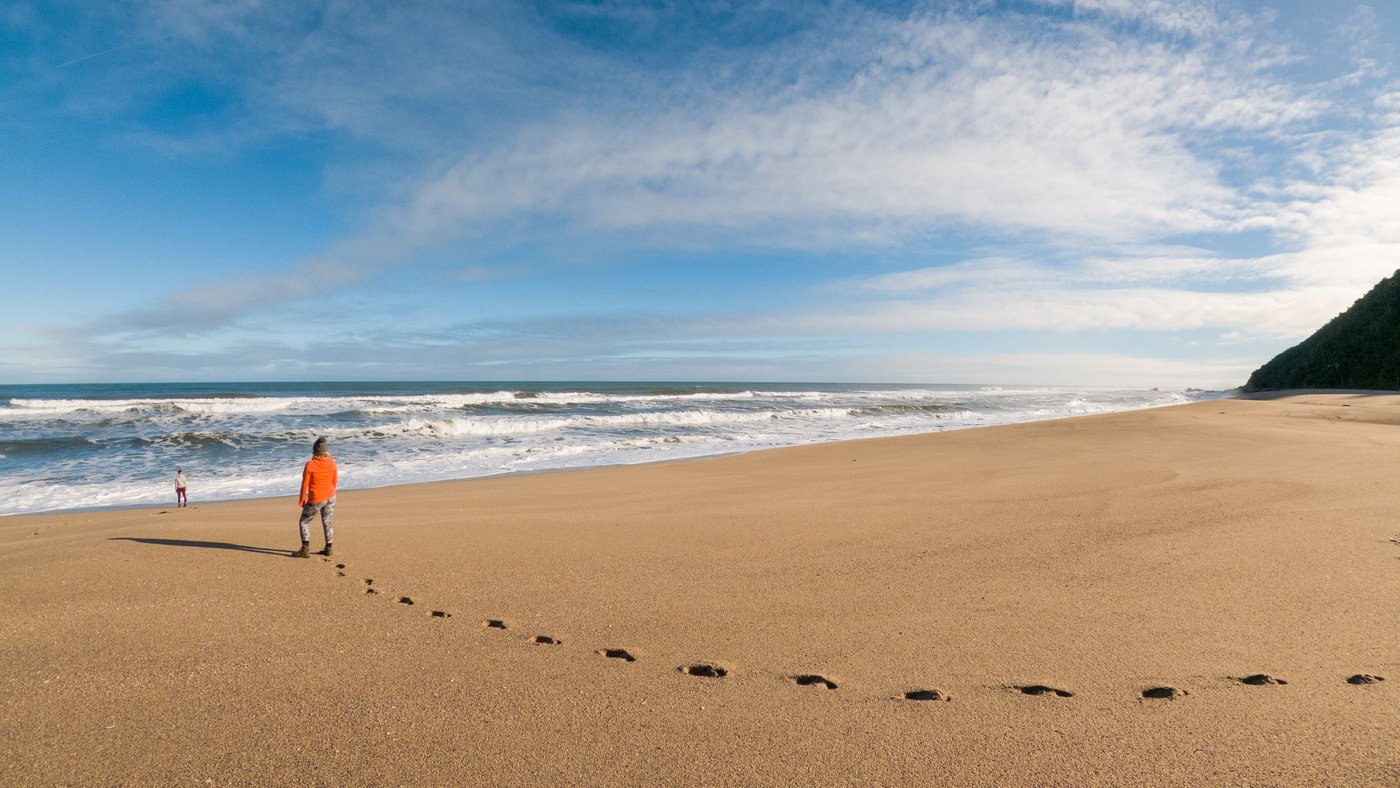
x: 1035, y: 580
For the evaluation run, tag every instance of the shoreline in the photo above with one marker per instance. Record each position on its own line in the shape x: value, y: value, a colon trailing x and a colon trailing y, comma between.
x: 502, y: 475
x: 578, y: 468
x: 770, y: 617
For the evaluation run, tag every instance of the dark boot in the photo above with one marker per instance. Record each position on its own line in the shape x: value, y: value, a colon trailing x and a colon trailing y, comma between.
x: 326, y: 552
x: 302, y: 553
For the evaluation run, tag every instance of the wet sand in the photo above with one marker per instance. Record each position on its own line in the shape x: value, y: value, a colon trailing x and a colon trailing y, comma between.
x: 1035, y: 580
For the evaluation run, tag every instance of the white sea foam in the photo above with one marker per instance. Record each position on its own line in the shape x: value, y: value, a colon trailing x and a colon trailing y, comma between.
x: 514, y: 425
x: 89, y: 451
x: 32, y: 408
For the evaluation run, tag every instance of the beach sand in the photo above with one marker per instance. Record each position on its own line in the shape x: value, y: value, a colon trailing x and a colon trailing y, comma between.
x: 1184, y: 547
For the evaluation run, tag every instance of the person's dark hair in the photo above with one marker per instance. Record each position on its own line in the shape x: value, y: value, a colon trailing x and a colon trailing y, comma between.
x: 319, y: 447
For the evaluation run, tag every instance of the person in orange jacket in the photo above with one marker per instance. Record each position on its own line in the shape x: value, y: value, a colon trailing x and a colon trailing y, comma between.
x: 318, y: 481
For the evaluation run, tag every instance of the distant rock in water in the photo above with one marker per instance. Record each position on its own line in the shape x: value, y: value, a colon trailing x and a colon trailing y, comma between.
x: 1358, y: 349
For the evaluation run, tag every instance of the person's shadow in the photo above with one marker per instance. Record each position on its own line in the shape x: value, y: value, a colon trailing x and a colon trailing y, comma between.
x: 197, y: 543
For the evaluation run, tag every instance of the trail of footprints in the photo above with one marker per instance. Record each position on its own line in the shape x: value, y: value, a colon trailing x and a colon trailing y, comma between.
x: 717, y: 671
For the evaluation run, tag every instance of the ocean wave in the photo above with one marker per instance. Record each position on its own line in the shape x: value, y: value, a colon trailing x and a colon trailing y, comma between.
x: 233, y: 440
x: 514, y: 425
x: 74, y: 452
x: 385, y: 404
x: 937, y: 410
x: 20, y: 447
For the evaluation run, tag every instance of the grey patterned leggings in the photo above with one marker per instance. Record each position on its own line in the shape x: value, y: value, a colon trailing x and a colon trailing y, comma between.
x: 308, y: 513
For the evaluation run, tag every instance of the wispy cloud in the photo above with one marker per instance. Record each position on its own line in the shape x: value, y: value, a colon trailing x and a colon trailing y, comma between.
x: 216, y: 305
x: 1277, y: 296
x: 1102, y: 163
x: 1030, y: 126
x: 863, y: 126
x: 866, y: 128
x: 1053, y: 369
x: 1194, y: 17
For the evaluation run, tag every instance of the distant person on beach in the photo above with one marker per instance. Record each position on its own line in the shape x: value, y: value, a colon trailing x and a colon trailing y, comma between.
x: 318, y: 481
x: 180, y: 488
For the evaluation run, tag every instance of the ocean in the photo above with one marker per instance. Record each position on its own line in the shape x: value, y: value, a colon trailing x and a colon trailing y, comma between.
x: 71, y: 447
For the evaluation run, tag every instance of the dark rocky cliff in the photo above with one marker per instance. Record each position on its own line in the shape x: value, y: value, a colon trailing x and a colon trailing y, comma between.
x: 1358, y: 349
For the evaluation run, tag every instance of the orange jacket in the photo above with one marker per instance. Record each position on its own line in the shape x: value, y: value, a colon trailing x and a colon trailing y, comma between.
x: 318, y: 480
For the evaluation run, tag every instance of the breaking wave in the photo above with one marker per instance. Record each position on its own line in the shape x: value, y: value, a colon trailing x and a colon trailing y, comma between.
x: 70, y: 447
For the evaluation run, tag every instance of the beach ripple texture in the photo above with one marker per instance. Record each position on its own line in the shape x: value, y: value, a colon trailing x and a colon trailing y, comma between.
x: 73, y: 447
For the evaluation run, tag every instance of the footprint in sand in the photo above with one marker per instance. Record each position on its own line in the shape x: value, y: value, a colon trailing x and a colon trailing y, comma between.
x: 1041, y: 689
x: 617, y: 653
x: 405, y: 600
x: 927, y: 694
x: 813, y: 680
x: 1261, y: 680
x: 545, y: 640
x: 704, y: 670
x: 495, y: 623
x: 440, y: 614
x: 1164, y: 693
x: 1365, y: 678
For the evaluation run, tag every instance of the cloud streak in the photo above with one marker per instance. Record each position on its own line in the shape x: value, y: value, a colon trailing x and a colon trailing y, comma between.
x: 1011, y: 127
x: 1078, y: 167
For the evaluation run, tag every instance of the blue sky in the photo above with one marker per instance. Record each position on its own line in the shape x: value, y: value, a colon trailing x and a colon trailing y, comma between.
x: 1099, y: 192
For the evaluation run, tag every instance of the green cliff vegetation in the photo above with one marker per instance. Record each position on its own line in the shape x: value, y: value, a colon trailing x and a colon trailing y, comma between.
x: 1358, y: 349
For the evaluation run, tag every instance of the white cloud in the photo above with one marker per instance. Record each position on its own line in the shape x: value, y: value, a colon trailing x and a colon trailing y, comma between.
x: 1054, y: 369
x: 1280, y: 296
x: 951, y: 121
x: 1076, y: 150
x: 1341, y: 223
x: 200, y: 21
x: 1195, y: 17
x: 1355, y: 197
x: 986, y: 272
x: 1068, y: 310
x: 1148, y: 267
